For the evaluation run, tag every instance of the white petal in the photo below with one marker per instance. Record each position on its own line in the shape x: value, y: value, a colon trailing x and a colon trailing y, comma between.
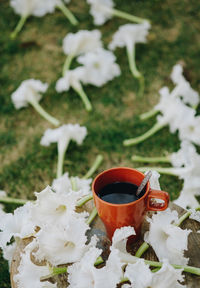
x: 120, y: 238
x: 100, y: 10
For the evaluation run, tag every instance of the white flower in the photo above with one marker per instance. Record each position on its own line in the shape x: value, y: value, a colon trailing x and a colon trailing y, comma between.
x: 62, y: 136
x: 101, y: 10
x: 120, y: 238
x: 8, y: 252
x: 183, y: 88
x: 195, y: 215
x: 29, y: 274
x: 141, y: 276
x: 28, y: 92
x: 185, y: 155
x: 63, y: 185
x: 167, y: 240
x: 130, y: 34
x: 20, y: 224
x: 60, y: 244
x: 81, y: 42
x: 83, y: 274
x: 55, y: 209
x: 187, y: 198
x: 72, y: 78
x: 100, y: 67
x: 154, y: 180
x: 33, y: 7
x: 190, y: 128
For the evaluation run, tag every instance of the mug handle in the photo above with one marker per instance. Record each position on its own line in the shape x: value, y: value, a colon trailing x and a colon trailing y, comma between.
x: 157, y: 194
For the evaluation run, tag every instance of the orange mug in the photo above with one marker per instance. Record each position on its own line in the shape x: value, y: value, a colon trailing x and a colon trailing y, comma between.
x: 130, y: 214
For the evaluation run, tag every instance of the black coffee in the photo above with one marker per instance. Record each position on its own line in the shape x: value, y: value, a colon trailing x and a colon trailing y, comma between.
x: 120, y: 193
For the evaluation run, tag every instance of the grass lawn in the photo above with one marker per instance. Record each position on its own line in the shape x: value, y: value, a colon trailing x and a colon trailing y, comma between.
x: 26, y: 166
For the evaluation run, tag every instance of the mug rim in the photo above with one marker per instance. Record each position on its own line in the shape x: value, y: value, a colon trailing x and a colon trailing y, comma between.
x: 125, y: 204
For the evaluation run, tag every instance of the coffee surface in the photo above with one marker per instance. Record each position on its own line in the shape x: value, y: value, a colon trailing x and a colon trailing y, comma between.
x: 119, y: 193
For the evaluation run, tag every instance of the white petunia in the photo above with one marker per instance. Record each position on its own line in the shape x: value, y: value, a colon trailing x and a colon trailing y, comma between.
x: 101, y: 10
x: 55, y: 209
x: 183, y: 88
x: 29, y: 274
x: 167, y: 240
x: 81, y: 42
x: 29, y: 92
x: 63, y: 185
x: 141, y: 276
x: 19, y: 225
x: 61, y: 244
x: 100, y: 67
x: 62, y: 136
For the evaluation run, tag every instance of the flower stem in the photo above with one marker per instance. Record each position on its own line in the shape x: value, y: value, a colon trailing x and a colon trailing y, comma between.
x: 61, y: 156
x: 185, y: 216
x: 19, y: 27
x: 94, y: 166
x: 55, y: 271
x: 84, y: 98
x: 9, y: 200
x: 73, y: 183
x: 167, y: 171
x: 67, y: 63
x: 98, y: 261
x: 127, y: 16
x: 44, y: 114
x: 138, y: 158
x: 84, y: 200
x: 92, y: 216
x: 142, y: 249
x: 148, y: 114
x: 68, y: 14
x: 139, y: 139
x: 131, y: 61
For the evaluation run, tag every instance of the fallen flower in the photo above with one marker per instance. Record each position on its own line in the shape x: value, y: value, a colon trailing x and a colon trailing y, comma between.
x: 62, y: 136
x: 75, y: 44
x: 29, y: 92
x: 102, y: 10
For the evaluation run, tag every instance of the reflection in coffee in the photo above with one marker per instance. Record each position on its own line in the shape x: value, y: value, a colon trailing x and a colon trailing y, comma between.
x: 120, y: 193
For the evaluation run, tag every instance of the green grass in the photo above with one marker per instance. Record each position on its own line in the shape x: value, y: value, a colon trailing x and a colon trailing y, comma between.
x: 37, y: 53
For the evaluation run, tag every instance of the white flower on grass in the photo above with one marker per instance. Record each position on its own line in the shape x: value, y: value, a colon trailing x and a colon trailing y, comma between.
x: 61, y: 244
x: 62, y: 136
x: 141, y: 276
x: 73, y: 78
x: 84, y: 274
x: 18, y: 225
x: 38, y: 8
x: 102, y: 10
x: 167, y: 240
x: 75, y: 44
x: 183, y: 88
x: 190, y: 128
x: 55, y: 209
x: 29, y: 92
x: 29, y: 274
x: 187, y: 198
x: 100, y: 67
x: 64, y: 185
x: 127, y: 36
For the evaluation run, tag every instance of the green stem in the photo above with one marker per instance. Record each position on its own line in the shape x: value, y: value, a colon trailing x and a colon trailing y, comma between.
x: 148, y: 114
x: 92, y: 216
x: 141, y: 86
x: 123, y: 279
x: 84, y: 200
x: 73, y: 183
x: 44, y: 114
x: 19, y: 26
x: 138, y: 158
x: 94, y: 167
x: 9, y: 200
x: 149, y: 133
x: 67, y: 63
x: 84, y: 98
x: 167, y: 171
x: 155, y: 270
x: 185, y: 216
x: 128, y: 16
x: 131, y: 61
x: 68, y: 14
x: 61, y: 156
x: 55, y: 271
x: 98, y: 261
x: 142, y: 249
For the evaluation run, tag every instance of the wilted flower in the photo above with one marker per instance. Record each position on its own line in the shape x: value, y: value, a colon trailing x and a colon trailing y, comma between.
x: 167, y: 240
x: 62, y: 136
x: 29, y: 92
x: 102, y: 10
x: 83, y: 41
